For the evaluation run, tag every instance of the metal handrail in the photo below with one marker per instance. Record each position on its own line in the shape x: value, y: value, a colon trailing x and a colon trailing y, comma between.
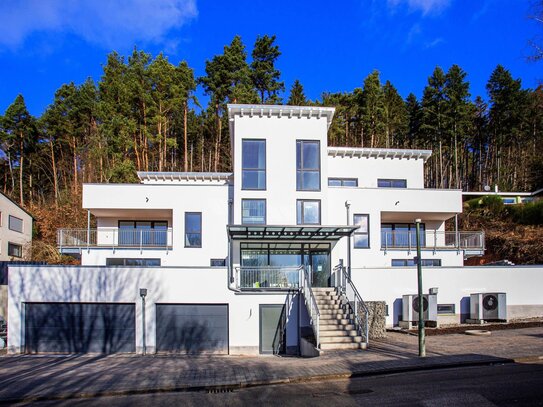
x: 311, y: 304
x: 345, y: 282
x: 114, y: 237
x: 274, y: 277
x: 434, y: 240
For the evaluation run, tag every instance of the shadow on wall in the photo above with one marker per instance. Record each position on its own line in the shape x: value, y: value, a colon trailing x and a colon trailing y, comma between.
x: 397, y: 312
x: 464, y: 309
x: 86, y: 309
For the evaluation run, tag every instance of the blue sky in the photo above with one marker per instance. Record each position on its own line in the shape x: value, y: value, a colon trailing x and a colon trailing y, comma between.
x: 328, y: 46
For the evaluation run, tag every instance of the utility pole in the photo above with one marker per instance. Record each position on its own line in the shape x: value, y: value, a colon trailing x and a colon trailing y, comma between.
x: 422, y: 339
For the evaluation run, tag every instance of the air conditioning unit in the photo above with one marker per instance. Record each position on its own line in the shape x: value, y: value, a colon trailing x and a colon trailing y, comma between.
x: 488, y: 307
x: 410, y: 306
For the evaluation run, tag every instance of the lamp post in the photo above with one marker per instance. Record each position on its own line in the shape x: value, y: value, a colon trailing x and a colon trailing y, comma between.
x: 422, y: 340
x: 143, y: 293
x: 348, y: 206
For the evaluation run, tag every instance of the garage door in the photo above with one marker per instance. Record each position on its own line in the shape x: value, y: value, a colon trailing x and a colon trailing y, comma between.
x: 80, y: 327
x: 192, y: 328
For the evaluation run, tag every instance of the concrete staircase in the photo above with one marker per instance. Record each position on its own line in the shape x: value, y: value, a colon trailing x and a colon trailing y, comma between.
x: 337, y: 329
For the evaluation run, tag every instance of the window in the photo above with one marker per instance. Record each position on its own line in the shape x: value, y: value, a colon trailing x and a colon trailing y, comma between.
x: 308, y: 165
x: 15, y: 224
x: 133, y: 262
x: 253, y: 211
x: 362, y: 234
x: 217, y: 262
x: 444, y: 309
x: 15, y: 250
x: 143, y: 232
x: 392, y: 183
x: 253, y: 164
x: 401, y: 235
x: 308, y: 212
x: 411, y: 262
x: 193, y: 229
x: 342, y: 182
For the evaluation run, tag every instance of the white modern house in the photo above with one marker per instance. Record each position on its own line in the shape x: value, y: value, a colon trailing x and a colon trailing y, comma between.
x: 275, y: 255
x: 15, y: 230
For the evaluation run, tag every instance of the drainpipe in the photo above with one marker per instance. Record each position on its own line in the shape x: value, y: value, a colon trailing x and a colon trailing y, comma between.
x: 143, y: 293
x: 348, y: 207
x: 88, y: 229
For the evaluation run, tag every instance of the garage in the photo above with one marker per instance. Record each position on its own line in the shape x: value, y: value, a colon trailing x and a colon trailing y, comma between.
x: 192, y: 328
x: 80, y: 327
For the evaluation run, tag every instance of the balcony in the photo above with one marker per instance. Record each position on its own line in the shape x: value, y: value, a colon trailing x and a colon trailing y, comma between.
x: 268, y: 277
x: 75, y: 239
x: 472, y: 243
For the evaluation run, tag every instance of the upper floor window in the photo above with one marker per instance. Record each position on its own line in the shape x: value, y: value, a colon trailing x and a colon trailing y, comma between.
x: 193, y: 229
x: 253, y: 164
x: 143, y: 232
x: 402, y: 235
x: 362, y: 234
x: 253, y: 211
x: 308, y: 212
x: 392, y: 183
x: 308, y: 165
x: 15, y: 224
x: 15, y: 250
x: 342, y: 182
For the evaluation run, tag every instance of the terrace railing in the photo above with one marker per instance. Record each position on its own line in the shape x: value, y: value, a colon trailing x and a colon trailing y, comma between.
x: 115, y: 238
x: 433, y: 240
x: 281, y: 278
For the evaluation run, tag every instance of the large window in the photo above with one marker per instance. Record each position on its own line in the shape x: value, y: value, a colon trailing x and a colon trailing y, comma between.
x: 193, y: 229
x: 308, y: 165
x: 362, y: 234
x: 133, y: 262
x: 15, y: 250
x: 15, y: 224
x: 253, y: 211
x: 144, y: 233
x: 392, y: 183
x: 342, y: 182
x: 401, y: 235
x: 253, y: 164
x: 308, y: 212
x: 411, y: 262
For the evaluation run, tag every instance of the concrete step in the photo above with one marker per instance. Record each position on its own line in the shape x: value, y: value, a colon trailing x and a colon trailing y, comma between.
x: 329, y: 301
x: 340, y: 346
x: 341, y: 339
x: 329, y: 306
x: 327, y: 312
x: 338, y: 334
x: 327, y: 298
x: 336, y: 327
x: 334, y: 321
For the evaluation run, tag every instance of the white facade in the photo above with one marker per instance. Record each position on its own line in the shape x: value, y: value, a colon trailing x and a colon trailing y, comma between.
x: 15, y: 230
x: 195, y: 242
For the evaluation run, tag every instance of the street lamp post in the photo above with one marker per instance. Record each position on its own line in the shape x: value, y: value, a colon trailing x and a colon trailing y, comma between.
x: 422, y: 339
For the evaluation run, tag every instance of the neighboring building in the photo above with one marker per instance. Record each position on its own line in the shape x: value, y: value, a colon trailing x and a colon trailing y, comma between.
x: 508, y: 198
x: 15, y: 230
x: 252, y: 261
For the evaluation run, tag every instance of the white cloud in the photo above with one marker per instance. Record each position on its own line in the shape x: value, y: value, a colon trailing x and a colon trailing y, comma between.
x: 434, y: 43
x: 426, y: 7
x: 109, y: 23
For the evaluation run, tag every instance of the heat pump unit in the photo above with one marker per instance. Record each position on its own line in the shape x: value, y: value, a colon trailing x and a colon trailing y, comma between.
x: 410, y: 306
x: 488, y: 307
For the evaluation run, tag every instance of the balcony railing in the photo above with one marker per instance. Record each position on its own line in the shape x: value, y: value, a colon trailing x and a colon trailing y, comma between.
x: 433, y: 240
x: 281, y: 278
x: 114, y: 237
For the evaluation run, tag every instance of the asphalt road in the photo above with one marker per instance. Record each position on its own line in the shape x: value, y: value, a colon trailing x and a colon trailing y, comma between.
x: 498, y: 385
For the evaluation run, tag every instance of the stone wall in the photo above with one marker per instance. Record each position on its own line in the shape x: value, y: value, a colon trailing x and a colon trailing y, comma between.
x: 376, y: 319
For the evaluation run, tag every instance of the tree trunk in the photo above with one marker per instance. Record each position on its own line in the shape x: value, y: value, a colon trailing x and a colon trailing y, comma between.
x: 21, y: 162
x: 54, y: 165
x: 185, y: 133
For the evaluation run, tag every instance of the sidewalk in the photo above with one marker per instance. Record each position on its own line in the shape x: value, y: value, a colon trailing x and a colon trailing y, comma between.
x: 58, y: 377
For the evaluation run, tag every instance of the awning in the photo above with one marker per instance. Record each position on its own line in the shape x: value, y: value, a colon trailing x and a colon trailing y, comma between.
x: 289, y: 232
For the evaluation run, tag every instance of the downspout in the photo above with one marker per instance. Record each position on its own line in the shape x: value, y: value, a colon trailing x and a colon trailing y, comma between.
x: 231, y: 279
x: 348, y: 206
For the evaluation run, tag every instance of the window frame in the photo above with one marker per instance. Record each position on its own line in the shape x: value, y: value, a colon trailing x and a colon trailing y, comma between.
x: 406, y: 263
x: 342, y: 182
x: 391, y: 181
x: 301, y: 201
x: 189, y: 246
x: 19, y: 219
x: 367, y: 216
x: 124, y: 260
x: 265, y: 210
x: 300, y: 171
x: 243, y: 187
x: 15, y: 245
x: 411, y: 227
x: 450, y: 311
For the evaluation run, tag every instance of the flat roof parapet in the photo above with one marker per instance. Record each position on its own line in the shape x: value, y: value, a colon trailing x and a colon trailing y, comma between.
x: 147, y: 177
x: 379, y: 153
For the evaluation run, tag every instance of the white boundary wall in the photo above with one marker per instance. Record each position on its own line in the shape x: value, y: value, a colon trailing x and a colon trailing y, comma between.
x: 522, y: 284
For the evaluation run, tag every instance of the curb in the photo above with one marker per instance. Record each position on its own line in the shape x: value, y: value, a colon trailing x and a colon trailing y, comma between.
x: 230, y: 387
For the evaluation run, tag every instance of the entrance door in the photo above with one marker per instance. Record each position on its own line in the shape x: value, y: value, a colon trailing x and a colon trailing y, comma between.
x: 320, y: 268
x: 272, y: 328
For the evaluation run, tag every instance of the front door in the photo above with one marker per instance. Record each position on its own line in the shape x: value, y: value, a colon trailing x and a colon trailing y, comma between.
x: 320, y: 268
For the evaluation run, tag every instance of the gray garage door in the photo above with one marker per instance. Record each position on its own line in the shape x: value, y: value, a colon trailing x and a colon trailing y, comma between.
x: 192, y: 328
x: 79, y: 327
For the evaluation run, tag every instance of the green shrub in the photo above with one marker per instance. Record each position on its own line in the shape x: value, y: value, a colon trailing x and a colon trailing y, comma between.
x: 530, y: 213
x: 493, y: 203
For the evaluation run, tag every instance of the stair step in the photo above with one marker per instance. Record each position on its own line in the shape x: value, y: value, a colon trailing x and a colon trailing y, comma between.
x: 334, y: 321
x: 337, y: 334
x: 329, y: 301
x: 339, y: 346
x: 337, y: 327
x: 328, y: 306
x: 341, y: 339
x: 327, y: 312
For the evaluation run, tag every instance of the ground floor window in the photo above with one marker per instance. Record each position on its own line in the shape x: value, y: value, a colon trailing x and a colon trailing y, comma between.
x: 133, y: 262
x: 411, y: 262
x: 402, y: 235
x: 15, y: 250
x: 446, y: 309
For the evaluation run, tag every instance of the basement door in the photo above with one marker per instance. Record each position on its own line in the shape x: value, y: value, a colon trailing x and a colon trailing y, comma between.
x: 272, y: 328
x: 80, y: 327
x: 192, y: 328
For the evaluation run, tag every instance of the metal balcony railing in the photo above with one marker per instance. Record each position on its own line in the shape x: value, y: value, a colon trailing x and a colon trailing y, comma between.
x: 114, y: 237
x: 433, y: 240
x: 282, y: 278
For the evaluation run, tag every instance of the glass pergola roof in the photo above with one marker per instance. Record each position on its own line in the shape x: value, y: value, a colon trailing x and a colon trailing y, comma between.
x: 289, y: 232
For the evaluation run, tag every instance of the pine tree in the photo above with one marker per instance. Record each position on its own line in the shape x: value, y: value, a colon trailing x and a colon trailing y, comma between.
x: 395, y: 116
x: 371, y: 101
x: 414, y: 113
x: 263, y: 73
x: 297, y: 97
